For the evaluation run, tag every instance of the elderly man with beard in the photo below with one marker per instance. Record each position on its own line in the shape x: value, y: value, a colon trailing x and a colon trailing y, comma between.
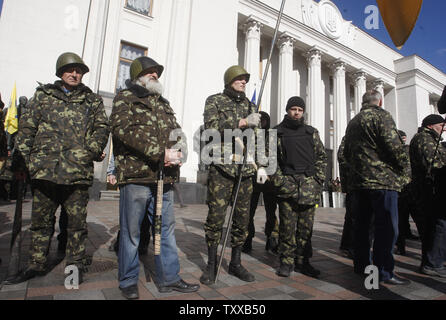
x: 141, y: 123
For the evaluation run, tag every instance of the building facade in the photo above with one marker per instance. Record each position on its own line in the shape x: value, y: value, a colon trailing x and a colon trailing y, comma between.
x: 319, y: 56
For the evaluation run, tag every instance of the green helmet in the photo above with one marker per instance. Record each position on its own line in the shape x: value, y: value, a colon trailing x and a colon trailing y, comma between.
x: 234, y: 72
x: 141, y: 64
x: 69, y: 59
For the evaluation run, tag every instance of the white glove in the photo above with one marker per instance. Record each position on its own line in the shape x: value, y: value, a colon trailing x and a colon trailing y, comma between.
x: 253, y: 120
x: 261, y: 176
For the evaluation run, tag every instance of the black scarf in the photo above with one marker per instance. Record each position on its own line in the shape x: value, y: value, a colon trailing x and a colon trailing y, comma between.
x: 234, y: 95
x: 291, y: 123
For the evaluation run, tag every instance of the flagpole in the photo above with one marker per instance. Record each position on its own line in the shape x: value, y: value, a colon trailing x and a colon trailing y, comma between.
x: 265, y: 75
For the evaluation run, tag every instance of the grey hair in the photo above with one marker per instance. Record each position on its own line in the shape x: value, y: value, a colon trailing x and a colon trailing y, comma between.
x: 371, y: 96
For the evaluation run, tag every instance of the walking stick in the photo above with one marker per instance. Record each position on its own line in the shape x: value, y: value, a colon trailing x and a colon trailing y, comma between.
x: 228, y: 228
x: 159, y: 209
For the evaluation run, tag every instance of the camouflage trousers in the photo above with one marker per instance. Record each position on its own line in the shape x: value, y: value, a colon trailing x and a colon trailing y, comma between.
x: 295, y: 230
x: 220, y: 195
x: 47, y: 197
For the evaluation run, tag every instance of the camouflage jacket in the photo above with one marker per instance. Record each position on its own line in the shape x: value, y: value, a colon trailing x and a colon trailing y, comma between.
x: 305, y: 189
x: 422, y: 149
x: 141, y: 124
x: 343, y: 168
x: 223, y: 112
x: 375, y: 151
x: 61, y: 134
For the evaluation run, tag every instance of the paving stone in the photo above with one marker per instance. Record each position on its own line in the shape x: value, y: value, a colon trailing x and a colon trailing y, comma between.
x: 81, y: 295
x: 299, y: 295
x: 264, y: 294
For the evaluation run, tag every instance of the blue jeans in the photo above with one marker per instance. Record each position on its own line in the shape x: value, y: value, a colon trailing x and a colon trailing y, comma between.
x: 380, y: 206
x: 135, y: 202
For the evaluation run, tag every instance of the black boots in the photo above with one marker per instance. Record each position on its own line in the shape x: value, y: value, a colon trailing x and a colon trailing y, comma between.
x: 306, y: 268
x: 247, y: 246
x: 284, y: 269
x: 210, y: 272
x: 235, y: 266
x: 271, y: 245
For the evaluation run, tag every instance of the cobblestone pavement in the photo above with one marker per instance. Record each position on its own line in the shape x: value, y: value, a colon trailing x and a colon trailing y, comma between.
x: 337, y: 281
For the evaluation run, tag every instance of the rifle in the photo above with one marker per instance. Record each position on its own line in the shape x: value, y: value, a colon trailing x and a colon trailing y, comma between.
x: 242, y: 167
x: 16, y: 238
x: 159, y: 208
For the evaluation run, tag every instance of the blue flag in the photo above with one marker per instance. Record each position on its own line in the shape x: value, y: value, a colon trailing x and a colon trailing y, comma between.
x: 254, y: 98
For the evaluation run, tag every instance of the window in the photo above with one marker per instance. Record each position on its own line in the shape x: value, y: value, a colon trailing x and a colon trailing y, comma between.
x: 128, y: 53
x: 141, y: 6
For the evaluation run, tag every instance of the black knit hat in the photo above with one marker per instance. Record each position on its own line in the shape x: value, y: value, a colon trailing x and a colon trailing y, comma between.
x: 295, y: 102
x: 432, y: 119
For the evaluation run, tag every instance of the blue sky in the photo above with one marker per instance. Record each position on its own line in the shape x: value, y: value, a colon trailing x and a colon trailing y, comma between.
x: 1, y: 6
x: 428, y: 39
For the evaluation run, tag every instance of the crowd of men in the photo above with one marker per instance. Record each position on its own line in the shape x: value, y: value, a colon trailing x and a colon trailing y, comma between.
x: 64, y: 129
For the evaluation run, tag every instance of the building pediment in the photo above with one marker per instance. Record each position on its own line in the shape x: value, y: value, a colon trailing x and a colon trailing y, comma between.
x: 326, y: 18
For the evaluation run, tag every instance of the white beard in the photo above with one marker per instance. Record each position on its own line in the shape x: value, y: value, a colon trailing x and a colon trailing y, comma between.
x: 153, y: 86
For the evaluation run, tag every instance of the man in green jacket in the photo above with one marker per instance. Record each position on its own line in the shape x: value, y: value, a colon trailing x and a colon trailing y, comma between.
x: 377, y: 159
x: 62, y: 132
x: 142, y: 124
x: 426, y: 156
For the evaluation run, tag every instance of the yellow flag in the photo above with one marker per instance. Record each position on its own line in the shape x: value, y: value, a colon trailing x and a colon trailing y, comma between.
x: 12, y: 121
x: 400, y: 17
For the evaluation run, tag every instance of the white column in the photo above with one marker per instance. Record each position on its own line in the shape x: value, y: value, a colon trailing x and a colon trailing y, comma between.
x: 286, y: 81
x: 360, y: 84
x: 316, y: 114
x: 252, y: 30
x: 340, y: 110
x: 378, y: 85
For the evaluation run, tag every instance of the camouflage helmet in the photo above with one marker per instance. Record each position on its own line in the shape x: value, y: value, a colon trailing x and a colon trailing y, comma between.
x: 234, y: 72
x: 69, y: 59
x: 141, y: 64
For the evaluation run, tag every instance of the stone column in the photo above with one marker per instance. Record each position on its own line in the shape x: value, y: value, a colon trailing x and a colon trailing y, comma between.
x: 286, y: 81
x: 252, y: 30
x: 315, y: 114
x: 378, y: 85
x: 340, y: 110
x: 360, y: 84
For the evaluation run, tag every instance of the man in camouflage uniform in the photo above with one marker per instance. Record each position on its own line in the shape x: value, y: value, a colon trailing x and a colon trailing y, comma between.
x: 141, y: 123
x: 375, y: 152
x: 429, y: 217
x: 229, y: 110
x: 302, y: 163
x: 62, y: 132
